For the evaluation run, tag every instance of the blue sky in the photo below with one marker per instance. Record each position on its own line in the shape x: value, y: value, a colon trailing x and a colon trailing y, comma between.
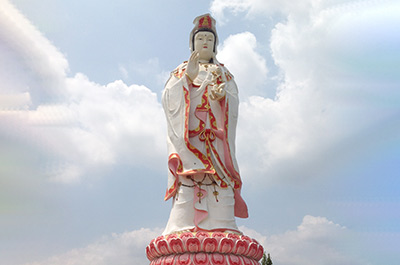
x: 82, y: 131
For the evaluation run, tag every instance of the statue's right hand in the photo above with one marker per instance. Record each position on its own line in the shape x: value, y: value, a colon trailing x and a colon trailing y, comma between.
x: 192, y: 69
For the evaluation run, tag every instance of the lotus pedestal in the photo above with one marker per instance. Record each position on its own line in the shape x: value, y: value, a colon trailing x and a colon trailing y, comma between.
x: 204, y: 248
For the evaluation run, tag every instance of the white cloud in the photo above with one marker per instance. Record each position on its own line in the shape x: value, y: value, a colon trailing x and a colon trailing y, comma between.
x: 23, y: 47
x: 322, y: 99
x: 127, y: 119
x: 336, y: 60
x: 122, y: 249
x: 76, y: 125
x: 15, y: 101
x: 238, y: 53
x: 100, y: 126
x: 315, y: 241
x: 299, y: 9
x: 218, y: 8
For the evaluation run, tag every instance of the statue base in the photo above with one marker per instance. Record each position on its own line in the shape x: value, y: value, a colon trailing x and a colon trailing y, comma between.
x: 204, y: 248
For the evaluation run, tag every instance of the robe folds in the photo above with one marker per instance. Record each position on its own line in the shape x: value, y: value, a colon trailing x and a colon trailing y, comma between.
x: 201, y: 131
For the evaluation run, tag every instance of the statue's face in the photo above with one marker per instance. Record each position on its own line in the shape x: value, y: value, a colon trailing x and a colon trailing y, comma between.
x: 204, y: 44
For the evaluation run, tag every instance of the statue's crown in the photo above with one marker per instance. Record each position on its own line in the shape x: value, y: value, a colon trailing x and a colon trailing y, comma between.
x: 205, y: 21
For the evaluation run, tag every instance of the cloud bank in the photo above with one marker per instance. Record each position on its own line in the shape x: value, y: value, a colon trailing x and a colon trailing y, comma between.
x: 338, y: 80
x: 238, y: 52
x: 315, y: 241
x: 336, y: 61
x: 330, y: 90
x: 123, y: 249
x: 76, y: 125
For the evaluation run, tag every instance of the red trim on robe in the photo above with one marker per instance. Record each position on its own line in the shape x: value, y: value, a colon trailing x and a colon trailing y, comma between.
x: 175, y: 163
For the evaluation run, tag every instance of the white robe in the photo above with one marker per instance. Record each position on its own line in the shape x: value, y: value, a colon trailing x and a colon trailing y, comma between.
x: 201, y: 140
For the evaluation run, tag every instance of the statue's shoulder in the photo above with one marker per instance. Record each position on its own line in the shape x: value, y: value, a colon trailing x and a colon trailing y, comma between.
x: 225, y: 71
x: 179, y: 71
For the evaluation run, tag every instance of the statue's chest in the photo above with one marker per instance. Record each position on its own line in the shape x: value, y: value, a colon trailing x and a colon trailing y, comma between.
x: 207, y: 73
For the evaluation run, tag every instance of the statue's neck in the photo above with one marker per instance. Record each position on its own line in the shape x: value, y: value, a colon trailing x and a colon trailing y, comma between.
x: 205, y: 61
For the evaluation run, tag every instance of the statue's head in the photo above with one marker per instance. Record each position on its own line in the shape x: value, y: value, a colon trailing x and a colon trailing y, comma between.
x: 203, y: 37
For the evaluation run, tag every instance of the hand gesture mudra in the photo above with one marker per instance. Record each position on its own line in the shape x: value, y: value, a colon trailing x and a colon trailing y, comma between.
x: 218, y: 92
x: 192, y: 69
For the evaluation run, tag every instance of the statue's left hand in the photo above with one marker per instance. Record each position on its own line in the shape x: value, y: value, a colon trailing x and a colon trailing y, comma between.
x: 218, y: 92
